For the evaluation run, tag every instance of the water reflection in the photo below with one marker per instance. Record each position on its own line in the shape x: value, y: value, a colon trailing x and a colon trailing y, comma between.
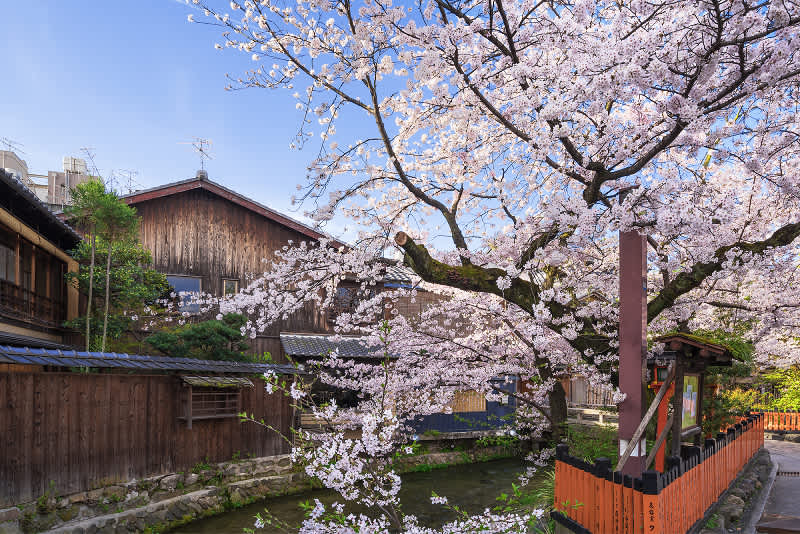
x: 472, y: 487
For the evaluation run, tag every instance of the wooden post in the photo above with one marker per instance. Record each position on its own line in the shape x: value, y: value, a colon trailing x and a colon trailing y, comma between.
x: 632, y: 342
x: 16, y: 263
x: 677, y: 409
x: 189, y: 407
x: 663, y: 423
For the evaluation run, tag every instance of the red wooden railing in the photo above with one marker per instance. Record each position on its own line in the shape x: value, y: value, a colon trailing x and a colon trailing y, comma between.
x: 786, y: 421
x: 590, y: 498
x: 23, y: 304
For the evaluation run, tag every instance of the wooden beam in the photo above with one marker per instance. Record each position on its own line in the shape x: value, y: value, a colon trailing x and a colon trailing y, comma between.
x: 647, y: 416
x: 659, y: 441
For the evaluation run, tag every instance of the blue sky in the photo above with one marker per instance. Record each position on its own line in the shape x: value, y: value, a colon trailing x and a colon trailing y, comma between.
x: 133, y: 80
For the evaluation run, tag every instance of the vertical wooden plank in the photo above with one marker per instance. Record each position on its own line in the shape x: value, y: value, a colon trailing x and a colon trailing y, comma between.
x: 8, y: 440
x: 24, y: 428
x: 85, y: 423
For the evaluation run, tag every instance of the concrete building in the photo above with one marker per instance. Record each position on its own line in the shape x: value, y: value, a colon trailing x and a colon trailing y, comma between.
x: 52, y: 188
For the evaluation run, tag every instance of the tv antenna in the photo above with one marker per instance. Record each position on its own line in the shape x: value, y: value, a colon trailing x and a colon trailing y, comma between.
x: 12, y: 145
x: 202, y: 147
x: 128, y: 178
x: 88, y: 151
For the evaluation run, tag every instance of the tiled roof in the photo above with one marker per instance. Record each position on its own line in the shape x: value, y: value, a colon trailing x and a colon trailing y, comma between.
x: 399, y: 273
x: 218, y: 381
x: 319, y: 345
x: 138, y: 362
x: 20, y: 201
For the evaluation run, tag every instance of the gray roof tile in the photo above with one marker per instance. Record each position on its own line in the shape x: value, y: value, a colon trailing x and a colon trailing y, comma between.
x: 319, y: 345
x: 140, y: 362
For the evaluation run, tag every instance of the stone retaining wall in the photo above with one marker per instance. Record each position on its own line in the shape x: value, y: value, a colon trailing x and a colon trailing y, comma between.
x: 157, y: 501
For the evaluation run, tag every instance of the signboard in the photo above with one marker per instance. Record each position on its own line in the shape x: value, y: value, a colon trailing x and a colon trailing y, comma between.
x: 691, y: 388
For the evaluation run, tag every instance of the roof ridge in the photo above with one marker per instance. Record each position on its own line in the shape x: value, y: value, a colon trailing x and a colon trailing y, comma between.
x: 209, y: 185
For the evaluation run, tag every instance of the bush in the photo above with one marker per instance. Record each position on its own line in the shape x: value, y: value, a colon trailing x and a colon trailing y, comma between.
x: 211, y: 340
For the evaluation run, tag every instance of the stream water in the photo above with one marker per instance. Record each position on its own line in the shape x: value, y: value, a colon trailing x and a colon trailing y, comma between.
x: 473, y: 487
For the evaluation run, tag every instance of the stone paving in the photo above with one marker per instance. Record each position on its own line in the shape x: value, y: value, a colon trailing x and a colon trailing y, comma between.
x: 782, y: 509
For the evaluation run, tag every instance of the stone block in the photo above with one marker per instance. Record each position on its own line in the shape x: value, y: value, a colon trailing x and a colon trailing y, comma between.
x: 9, y: 514
x: 10, y: 527
x: 191, y: 479
x: 170, y: 482
x: 732, y: 508
x: 95, y: 495
x: 76, y: 498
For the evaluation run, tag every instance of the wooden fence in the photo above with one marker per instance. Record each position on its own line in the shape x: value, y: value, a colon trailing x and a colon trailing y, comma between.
x: 84, y: 430
x: 787, y: 421
x: 590, y: 498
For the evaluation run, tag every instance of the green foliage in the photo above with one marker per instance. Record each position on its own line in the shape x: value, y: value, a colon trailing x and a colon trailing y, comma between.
x: 506, y: 441
x: 537, y: 494
x: 201, y: 466
x: 85, y: 211
x: 592, y: 442
x: 212, y: 340
x: 133, y: 284
x: 787, y: 381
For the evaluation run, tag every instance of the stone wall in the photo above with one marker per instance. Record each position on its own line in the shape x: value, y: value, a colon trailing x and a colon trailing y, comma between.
x: 157, y: 502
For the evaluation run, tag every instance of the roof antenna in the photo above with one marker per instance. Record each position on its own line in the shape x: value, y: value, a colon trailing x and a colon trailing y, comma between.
x: 203, y: 148
x: 12, y: 146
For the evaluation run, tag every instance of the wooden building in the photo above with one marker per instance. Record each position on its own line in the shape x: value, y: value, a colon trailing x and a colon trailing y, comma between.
x: 35, y: 299
x: 130, y: 416
x: 208, y: 238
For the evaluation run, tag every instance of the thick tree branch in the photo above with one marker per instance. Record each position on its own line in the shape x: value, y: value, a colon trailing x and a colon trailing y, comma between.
x: 689, y: 280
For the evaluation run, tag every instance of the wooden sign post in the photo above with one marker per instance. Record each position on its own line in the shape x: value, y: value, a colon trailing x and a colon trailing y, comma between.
x: 632, y: 344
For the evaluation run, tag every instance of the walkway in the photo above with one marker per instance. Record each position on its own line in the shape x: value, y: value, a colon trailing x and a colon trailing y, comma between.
x: 782, y: 510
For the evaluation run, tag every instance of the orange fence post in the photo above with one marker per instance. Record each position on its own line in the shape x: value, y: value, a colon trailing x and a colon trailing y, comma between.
x: 638, y: 506
x: 605, y: 500
x: 652, y: 486
x: 616, y: 479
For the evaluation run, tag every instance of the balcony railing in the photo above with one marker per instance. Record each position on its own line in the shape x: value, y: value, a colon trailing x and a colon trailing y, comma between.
x: 19, y: 303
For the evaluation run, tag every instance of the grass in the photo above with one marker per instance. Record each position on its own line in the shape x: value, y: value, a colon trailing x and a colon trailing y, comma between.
x: 592, y: 442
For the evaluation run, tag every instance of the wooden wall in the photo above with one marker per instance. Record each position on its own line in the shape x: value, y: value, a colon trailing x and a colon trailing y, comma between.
x: 198, y: 233
x: 83, y: 430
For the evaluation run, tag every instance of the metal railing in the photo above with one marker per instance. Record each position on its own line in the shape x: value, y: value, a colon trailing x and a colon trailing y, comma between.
x: 19, y: 303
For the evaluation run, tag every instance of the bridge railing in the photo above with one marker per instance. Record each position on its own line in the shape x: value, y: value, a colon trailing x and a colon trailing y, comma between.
x: 788, y: 421
x: 592, y: 498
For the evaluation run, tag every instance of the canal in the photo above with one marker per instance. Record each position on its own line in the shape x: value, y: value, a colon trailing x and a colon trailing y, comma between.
x: 473, y: 487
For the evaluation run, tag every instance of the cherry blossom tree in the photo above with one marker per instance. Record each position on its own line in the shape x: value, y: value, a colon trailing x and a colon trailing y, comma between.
x: 498, y: 147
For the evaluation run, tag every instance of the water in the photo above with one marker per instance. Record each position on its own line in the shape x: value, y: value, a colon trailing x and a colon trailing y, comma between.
x: 473, y: 487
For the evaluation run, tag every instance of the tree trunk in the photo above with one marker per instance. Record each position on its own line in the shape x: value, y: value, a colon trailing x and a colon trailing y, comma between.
x: 91, y: 287
x: 108, y: 298
x: 558, y: 410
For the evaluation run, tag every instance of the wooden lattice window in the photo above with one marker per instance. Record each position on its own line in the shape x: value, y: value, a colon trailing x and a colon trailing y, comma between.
x: 347, y: 299
x: 212, y: 398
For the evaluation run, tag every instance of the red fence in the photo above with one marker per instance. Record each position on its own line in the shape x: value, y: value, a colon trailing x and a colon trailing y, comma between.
x: 590, y: 498
x: 789, y: 421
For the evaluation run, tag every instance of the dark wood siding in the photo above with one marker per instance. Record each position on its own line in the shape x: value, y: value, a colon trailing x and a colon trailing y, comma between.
x: 198, y: 233
x: 82, y: 430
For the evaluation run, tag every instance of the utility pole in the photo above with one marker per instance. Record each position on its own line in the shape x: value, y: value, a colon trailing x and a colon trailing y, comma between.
x: 632, y: 344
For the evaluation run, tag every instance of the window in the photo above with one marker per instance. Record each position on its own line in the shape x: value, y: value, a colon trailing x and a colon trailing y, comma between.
x: 348, y: 298
x: 209, y: 397
x: 230, y: 286
x: 8, y: 263
x: 186, y: 287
